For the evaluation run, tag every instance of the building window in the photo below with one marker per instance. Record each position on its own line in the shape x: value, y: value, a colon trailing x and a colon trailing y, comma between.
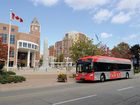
x: 4, y: 38
x: 11, y: 63
x: 33, y: 46
x: 12, y: 53
x: 20, y: 44
x: 29, y: 45
x: 12, y: 30
x: 24, y: 44
x: 12, y: 39
x: 4, y: 28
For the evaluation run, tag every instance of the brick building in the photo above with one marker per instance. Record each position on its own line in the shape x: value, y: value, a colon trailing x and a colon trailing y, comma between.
x: 58, y: 48
x: 63, y: 47
x: 69, y: 39
x: 26, y: 46
x: 52, y: 50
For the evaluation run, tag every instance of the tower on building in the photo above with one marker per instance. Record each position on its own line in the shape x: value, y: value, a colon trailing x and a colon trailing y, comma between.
x: 35, y: 27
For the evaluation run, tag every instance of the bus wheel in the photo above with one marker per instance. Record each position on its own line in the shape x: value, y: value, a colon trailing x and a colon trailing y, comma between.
x: 102, y: 78
x: 127, y: 75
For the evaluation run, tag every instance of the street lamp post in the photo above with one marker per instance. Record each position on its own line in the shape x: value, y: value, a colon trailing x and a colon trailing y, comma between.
x: 138, y: 60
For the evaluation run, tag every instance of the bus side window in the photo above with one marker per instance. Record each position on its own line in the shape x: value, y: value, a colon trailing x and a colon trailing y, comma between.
x: 95, y: 66
x: 109, y: 67
x: 115, y: 67
x: 112, y: 68
x: 91, y: 67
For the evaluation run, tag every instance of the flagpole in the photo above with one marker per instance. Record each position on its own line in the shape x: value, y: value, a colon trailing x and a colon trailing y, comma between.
x: 8, y: 44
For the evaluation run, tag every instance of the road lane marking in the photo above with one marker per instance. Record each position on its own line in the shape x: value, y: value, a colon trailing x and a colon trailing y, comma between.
x: 76, y: 99
x: 125, y: 88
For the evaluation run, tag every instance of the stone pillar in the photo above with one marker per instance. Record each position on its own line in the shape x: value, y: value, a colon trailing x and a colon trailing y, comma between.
x: 33, y: 59
x: 45, y: 64
x: 28, y: 59
x: 46, y: 55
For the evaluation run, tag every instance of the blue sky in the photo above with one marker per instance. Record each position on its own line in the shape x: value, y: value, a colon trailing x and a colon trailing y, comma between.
x: 113, y: 21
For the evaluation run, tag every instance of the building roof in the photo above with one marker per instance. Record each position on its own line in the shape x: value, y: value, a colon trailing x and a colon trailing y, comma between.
x: 35, y: 22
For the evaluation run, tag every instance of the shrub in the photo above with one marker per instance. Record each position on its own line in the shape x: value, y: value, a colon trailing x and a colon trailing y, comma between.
x: 9, y: 79
x: 136, y: 71
x: 11, y: 73
x: 3, y: 81
x: 62, y: 78
x: 23, y: 78
x: 1, y: 78
x: 1, y: 67
x: 3, y: 73
x: 7, y: 73
x: 17, y: 79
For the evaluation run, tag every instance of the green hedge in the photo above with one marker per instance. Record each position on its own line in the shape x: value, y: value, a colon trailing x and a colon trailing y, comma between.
x: 8, y: 73
x: 9, y: 77
x: 18, y: 79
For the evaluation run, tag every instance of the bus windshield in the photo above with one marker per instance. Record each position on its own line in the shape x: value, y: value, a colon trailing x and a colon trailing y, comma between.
x: 84, y: 66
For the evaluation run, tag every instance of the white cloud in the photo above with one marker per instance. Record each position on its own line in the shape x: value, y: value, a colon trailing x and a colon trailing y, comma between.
x: 85, y: 4
x: 102, y: 15
x: 105, y: 35
x: 131, y: 8
x: 121, y: 18
x: 45, y: 2
x: 128, y: 4
x: 123, y: 8
x: 130, y: 37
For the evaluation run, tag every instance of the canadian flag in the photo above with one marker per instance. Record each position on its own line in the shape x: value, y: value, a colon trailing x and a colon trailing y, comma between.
x: 15, y: 17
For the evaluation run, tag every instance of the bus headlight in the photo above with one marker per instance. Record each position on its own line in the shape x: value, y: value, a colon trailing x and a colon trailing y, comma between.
x: 91, y: 75
x: 76, y: 75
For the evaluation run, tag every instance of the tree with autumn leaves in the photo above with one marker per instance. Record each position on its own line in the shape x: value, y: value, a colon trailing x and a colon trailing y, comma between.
x: 102, y: 50
x: 3, y: 53
x: 82, y: 48
x: 135, y: 50
x: 122, y: 50
x: 87, y: 48
x: 4, y: 50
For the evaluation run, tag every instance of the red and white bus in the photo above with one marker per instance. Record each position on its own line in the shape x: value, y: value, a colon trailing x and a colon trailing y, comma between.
x: 103, y: 68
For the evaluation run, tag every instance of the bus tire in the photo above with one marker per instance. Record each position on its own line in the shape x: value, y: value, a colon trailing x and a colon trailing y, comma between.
x: 102, y: 78
x: 127, y: 75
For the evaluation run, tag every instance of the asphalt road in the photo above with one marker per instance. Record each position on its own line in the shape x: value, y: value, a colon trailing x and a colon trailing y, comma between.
x: 118, y: 92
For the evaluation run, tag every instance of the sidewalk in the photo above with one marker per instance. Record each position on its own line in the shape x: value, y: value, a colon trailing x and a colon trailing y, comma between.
x: 36, y: 79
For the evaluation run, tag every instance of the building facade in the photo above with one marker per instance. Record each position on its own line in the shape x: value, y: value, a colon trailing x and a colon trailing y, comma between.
x: 58, y: 48
x: 63, y: 47
x: 52, y: 50
x: 69, y: 39
x: 25, y: 46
